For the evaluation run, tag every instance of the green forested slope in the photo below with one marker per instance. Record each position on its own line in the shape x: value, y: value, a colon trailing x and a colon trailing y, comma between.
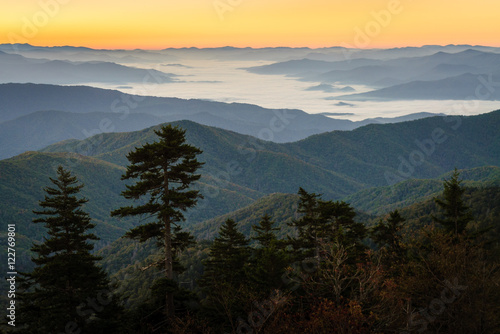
x: 380, y: 200
x: 230, y: 157
x: 423, y: 148
x: 337, y: 163
x: 280, y: 207
x: 23, y: 178
x: 124, y: 258
x: 240, y: 169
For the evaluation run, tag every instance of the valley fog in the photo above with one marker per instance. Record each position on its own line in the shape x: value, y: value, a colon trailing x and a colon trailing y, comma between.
x: 228, y: 81
x: 347, y: 84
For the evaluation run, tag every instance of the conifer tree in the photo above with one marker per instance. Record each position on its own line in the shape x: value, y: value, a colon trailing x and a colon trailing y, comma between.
x: 325, y: 221
x: 225, y: 276
x: 265, y: 232
x: 165, y: 170
x: 456, y: 213
x: 340, y: 226
x: 388, y: 234
x: 229, y: 255
x: 269, y: 257
x: 309, y: 226
x: 181, y: 240
x: 66, y: 290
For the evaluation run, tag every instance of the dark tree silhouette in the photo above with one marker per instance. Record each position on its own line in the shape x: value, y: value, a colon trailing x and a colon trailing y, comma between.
x: 456, y: 213
x: 66, y: 289
x: 165, y: 170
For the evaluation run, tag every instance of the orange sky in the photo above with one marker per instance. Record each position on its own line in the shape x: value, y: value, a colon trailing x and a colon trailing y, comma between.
x: 156, y: 24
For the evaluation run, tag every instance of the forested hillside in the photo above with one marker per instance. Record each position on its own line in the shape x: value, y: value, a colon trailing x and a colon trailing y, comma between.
x: 336, y: 163
x: 240, y: 169
x: 124, y: 257
x: 359, y: 207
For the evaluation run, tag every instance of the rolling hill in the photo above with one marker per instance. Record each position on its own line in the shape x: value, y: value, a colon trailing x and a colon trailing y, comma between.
x: 381, y: 200
x: 36, y: 115
x: 241, y: 171
x: 42, y: 128
x: 263, y: 166
x: 337, y: 163
x: 376, y: 201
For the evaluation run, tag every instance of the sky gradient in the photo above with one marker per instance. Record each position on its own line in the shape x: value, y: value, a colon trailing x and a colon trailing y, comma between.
x: 158, y: 24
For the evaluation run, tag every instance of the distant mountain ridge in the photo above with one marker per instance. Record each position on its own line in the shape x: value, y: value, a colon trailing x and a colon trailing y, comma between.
x: 42, y: 128
x: 439, y: 76
x: 19, y: 69
x: 462, y: 87
x: 33, y: 116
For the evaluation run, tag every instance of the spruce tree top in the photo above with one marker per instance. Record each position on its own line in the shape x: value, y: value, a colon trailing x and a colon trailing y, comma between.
x: 456, y: 213
x: 66, y: 274
x: 265, y: 232
x: 164, y: 169
x: 63, y: 217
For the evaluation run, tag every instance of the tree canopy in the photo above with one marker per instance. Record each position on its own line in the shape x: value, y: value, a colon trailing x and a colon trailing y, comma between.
x: 165, y: 170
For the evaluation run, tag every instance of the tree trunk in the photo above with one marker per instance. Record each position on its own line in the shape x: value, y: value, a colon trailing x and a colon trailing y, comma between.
x: 169, y: 273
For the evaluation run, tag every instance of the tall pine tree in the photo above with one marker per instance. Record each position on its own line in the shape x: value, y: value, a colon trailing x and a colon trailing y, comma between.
x: 225, y: 276
x: 388, y: 234
x: 325, y: 221
x: 66, y: 290
x: 229, y: 254
x: 338, y: 218
x: 165, y: 170
x: 456, y: 213
x: 389, y: 238
x: 269, y: 257
x: 309, y: 226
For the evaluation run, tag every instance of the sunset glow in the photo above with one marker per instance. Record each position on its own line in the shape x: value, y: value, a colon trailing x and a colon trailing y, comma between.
x: 157, y: 24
